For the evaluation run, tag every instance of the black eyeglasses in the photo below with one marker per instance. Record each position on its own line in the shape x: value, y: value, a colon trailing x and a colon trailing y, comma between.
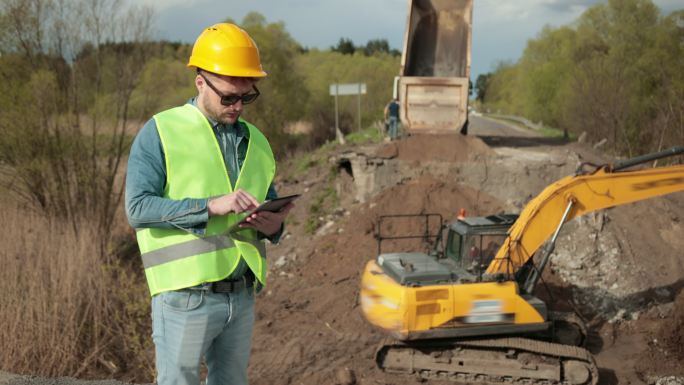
x: 229, y: 100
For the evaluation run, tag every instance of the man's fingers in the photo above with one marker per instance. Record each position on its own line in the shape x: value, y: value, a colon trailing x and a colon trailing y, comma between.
x: 249, y: 203
x: 243, y: 203
x: 256, y: 221
x: 247, y: 196
x: 264, y: 220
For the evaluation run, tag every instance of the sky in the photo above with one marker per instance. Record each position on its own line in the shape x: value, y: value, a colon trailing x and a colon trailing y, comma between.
x: 501, y: 28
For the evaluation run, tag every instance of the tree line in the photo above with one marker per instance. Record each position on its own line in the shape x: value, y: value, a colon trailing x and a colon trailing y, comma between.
x: 616, y: 73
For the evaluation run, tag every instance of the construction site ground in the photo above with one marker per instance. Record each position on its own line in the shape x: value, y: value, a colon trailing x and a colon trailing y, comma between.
x: 621, y: 270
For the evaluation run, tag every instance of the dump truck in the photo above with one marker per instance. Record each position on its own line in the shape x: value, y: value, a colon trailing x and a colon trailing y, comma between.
x: 433, y: 85
x: 466, y: 309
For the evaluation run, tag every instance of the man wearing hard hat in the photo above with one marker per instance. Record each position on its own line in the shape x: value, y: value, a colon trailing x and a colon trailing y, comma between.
x: 193, y: 173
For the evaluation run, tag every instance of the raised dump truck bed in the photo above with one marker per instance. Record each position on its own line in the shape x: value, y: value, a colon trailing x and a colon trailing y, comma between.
x: 435, y: 66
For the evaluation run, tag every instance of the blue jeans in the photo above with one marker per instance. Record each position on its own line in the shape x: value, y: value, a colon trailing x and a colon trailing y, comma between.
x: 190, y: 324
x: 393, y: 127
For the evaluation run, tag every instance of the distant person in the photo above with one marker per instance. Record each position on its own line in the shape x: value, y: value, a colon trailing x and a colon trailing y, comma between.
x: 392, y: 118
x: 193, y: 171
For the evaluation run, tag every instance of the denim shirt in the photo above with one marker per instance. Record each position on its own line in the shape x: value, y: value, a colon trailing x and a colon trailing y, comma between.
x: 146, y: 178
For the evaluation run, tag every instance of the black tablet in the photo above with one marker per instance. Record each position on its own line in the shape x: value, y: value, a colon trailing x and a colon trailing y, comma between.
x: 273, y: 205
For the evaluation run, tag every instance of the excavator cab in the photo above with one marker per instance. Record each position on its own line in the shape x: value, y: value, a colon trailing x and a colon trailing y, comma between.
x: 460, y: 251
x: 472, y: 243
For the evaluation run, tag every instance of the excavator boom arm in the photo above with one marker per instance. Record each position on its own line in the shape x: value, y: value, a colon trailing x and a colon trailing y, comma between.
x: 599, y: 190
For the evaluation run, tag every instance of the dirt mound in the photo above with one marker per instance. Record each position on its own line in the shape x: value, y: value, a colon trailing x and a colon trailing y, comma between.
x: 354, y: 235
x: 657, y: 343
x: 309, y: 324
x: 429, y: 194
x: 667, y: 348
x: 673, y: 333
x: 440, y: 148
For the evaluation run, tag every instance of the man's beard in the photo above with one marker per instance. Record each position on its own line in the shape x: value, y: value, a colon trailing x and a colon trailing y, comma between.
x: 216, y: 115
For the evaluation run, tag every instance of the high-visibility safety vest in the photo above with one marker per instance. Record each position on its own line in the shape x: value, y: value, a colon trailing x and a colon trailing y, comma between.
x: 195, y: 168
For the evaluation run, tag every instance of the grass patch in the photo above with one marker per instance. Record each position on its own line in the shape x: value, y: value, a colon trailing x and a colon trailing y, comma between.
x: 365, y: 136
x: 321, y: 204
x: 305, y: 162
x: 551, y: 132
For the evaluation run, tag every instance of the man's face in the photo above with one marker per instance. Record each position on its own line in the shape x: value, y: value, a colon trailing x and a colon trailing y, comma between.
x: 210, y: 101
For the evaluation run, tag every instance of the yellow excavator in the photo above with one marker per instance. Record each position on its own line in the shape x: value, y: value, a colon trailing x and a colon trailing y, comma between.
x: 464, y: 310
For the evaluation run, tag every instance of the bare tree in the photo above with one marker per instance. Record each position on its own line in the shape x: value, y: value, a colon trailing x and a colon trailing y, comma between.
x: 67, y: 135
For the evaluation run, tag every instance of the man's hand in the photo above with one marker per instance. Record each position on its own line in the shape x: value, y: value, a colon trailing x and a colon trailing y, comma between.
x: 267, y: 222
x: 238, y: 201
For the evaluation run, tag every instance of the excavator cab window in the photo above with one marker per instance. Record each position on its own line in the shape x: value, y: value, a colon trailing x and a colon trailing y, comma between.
x: 453, y: 246
x: 481, y: 250
x: 473, y: 252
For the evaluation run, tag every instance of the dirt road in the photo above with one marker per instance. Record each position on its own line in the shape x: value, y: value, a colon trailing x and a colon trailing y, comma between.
x: 482, y: 126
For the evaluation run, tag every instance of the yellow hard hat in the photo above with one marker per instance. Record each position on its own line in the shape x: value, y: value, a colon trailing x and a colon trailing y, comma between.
x: 226, y: 49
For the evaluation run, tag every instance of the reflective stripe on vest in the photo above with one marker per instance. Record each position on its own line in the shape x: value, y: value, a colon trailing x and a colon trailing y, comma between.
x: 195, y: 168
x: 197, y: 246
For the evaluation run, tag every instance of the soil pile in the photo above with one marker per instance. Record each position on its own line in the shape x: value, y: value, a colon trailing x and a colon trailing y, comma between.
x: 665, y: 340
x: 673, y: 333
x: 310, y: 326
x: 436, y: 148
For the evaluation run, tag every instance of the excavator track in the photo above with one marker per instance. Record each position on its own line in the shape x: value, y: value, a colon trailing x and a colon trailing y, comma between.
x: 493, y: 361
x: 569, y: 329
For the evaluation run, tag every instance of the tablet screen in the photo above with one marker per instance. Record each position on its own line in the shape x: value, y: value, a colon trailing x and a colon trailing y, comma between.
x: 273, y: 205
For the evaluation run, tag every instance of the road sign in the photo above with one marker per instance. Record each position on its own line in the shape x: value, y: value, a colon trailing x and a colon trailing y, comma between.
x: 336, y: 90
x: 348, y: 89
